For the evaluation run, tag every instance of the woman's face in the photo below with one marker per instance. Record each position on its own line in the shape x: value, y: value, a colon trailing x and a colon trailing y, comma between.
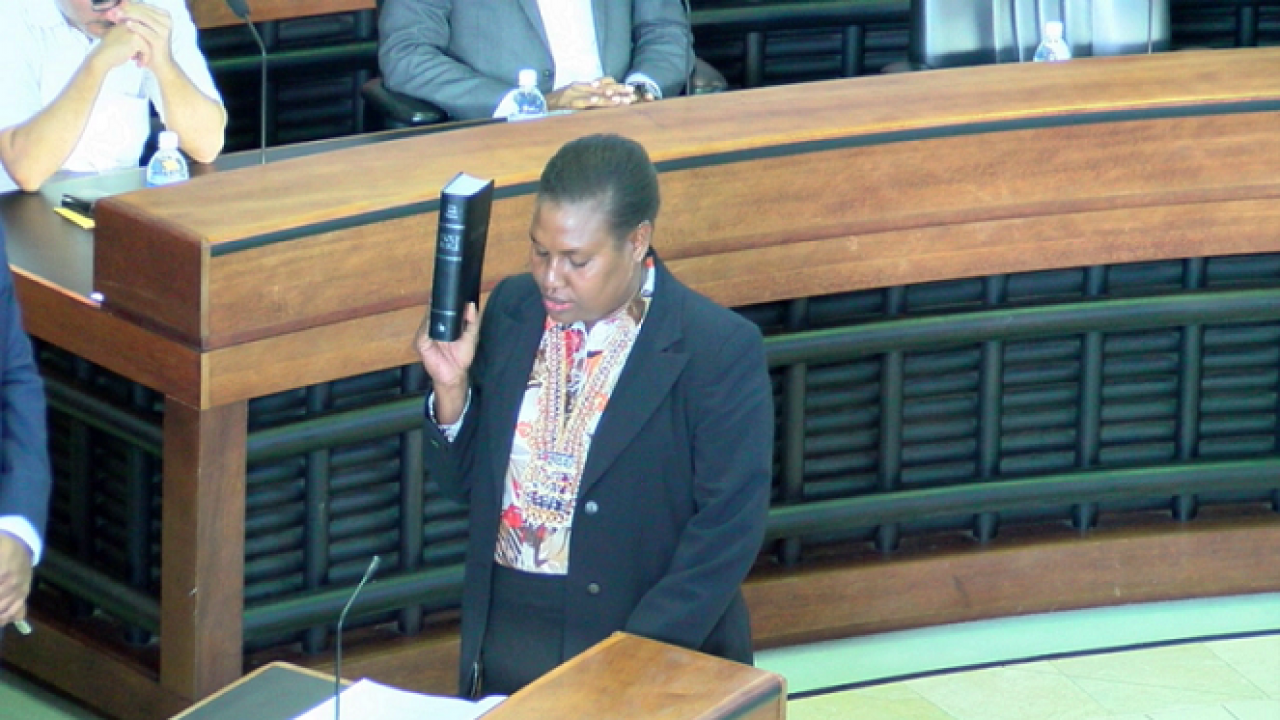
x: 583, y: 273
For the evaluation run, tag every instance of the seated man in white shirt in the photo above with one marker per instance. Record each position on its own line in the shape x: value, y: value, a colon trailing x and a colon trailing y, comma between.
x: 465, y: 55
x: 78, y: 80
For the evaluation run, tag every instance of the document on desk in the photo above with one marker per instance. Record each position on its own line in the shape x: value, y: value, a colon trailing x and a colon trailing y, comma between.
x: 367, y: 700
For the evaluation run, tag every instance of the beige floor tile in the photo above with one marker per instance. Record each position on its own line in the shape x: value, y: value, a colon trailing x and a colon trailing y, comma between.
x: 1254, y: 709
x: 866, y: 704
x: 889, y: 691
x: 1257, y: 658
x: 1007, y: 694
x: 1121, y: 697
x: 1187, y: 667
x: 1198, y: 712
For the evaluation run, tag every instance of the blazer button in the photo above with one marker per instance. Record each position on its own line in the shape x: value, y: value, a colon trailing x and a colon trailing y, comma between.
x: 591, y: 507
x: 546, y: 73
x: 593, y: 589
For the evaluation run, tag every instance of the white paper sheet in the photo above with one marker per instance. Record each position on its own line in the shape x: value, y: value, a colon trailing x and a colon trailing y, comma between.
x: 368, y: 700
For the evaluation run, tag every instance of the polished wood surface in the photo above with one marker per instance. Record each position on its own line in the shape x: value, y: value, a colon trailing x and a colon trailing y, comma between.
x: 625, y: 676
x: 76, y: 665
x: 283, y: 195
x: 853, y: 184
x: 258, y: 200
x: 1031, y: 570
x: 215, y: 13
x: 202, y: 573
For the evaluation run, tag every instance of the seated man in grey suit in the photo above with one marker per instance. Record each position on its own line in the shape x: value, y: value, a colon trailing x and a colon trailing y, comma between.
x: 465, y: 55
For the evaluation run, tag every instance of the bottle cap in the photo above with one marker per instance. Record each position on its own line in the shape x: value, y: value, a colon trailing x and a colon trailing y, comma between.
x: 168, y: 140
x: 528, y: 77
x: 1053, y: 29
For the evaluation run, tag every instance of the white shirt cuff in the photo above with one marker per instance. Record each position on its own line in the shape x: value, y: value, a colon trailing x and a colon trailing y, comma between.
x: 449, y: 431
x: 639, y: 77
x: 21, y: 528
x: 507, y: 107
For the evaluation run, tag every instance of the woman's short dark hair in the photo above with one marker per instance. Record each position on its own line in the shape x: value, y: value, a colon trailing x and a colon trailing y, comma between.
x: 611, y: 169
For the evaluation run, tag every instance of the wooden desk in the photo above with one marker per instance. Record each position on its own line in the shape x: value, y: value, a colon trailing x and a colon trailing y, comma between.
x: 276, y: 691
x: 226, y: 288
x: 622, y: 677
x: 625, y: 676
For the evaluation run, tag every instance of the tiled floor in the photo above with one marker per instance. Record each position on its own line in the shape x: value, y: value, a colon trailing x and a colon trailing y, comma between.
x: 1237, y: 679
x: 1140, y: 662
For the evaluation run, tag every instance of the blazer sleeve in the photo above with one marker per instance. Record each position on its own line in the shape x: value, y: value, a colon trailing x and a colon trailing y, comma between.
x: 731, y: 423
x: 24, y: 466
x: 450, y: 464
x: 662, y: 43
x: 414, y: 56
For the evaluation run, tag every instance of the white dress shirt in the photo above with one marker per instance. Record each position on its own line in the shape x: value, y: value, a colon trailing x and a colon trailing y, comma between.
x: 40, y: 52
x: 21, y: 528
x: 571, y: 35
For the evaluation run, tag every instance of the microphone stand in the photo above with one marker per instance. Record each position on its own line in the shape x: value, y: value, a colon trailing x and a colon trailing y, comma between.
x: 240, y: 8
x: 337, y: 637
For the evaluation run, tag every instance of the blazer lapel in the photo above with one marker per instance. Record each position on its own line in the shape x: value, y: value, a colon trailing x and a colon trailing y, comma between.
x: 521, y: 331
x: 646, y: 380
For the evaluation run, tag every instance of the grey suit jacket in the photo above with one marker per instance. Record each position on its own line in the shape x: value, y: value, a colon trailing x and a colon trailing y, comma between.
x: 464, y: 55
x: 24, y: 454
x: 674, y: 496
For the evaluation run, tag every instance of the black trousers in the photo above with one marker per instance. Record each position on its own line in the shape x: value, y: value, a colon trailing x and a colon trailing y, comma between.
x: 524, y: 637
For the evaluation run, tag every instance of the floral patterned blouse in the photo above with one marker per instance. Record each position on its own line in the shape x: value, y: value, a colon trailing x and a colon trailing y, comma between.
x: 573, y: 376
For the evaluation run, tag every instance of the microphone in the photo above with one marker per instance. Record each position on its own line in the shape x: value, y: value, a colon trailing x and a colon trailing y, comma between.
x: 692, y: 54
x: 1017, y: 33
x: 240, y: 8
x: 1151, y: 20
x: 342, y: 619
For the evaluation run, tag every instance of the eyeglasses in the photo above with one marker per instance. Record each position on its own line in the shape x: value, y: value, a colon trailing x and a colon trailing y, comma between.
x: 101, y: 6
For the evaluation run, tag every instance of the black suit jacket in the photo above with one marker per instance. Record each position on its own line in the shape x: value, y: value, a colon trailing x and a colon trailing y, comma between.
x: 24, y: 454
x: 674, y: 496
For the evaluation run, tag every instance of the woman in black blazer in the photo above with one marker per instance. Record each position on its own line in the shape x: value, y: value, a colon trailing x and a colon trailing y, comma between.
x: 611, y: 432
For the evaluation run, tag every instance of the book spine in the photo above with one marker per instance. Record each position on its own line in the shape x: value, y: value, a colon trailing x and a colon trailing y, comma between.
x: 474, y: 241
x: 447, y: 301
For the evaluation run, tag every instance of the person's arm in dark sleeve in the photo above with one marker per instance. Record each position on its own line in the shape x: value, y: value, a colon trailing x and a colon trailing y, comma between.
x: 449, y: 448
x: 24, y: 466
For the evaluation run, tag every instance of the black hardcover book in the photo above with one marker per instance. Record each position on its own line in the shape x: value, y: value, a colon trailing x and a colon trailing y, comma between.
x: 464, y: 228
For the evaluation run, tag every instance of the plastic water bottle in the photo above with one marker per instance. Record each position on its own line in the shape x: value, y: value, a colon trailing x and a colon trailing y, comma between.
x: 1052, y: 47
x: 167, y: 166
x: 529, y: 100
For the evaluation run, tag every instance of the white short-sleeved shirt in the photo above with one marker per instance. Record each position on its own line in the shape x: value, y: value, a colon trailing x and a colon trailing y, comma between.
x: 40, y: 52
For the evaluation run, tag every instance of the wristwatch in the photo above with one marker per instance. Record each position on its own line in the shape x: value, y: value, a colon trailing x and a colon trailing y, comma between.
x: 642, y: 90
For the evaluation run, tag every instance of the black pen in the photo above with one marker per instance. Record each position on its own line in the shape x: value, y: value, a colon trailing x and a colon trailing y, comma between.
x: 78, y: 205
